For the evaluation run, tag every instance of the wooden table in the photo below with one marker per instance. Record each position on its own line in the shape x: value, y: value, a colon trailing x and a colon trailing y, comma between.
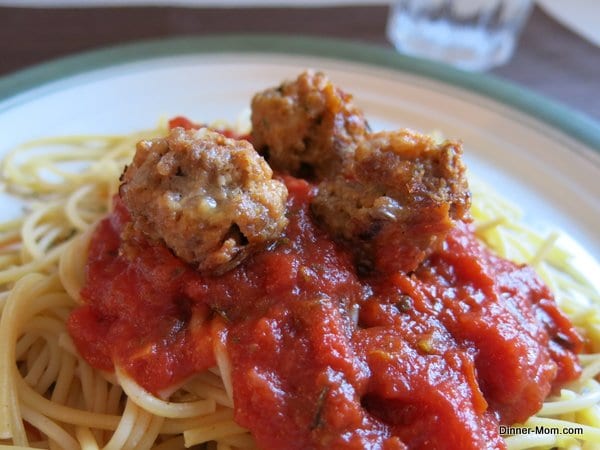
x: 550, y: 59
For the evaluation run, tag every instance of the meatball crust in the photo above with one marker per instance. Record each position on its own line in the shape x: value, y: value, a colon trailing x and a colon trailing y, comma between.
x: 209, y: 198
x: 398, y: 199
x: 306, y: 126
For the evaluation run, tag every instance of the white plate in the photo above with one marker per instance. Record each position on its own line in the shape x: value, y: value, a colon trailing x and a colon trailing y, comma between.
x: 529, y: 149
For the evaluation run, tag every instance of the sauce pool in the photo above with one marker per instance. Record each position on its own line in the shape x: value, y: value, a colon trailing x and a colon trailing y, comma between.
x: 325, y: 358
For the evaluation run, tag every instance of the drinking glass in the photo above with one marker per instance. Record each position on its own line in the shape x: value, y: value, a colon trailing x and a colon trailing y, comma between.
x: 469, y: 34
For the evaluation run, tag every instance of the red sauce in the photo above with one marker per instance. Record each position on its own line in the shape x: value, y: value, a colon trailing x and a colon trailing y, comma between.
x: 324, y: 358
x: 187, y: 124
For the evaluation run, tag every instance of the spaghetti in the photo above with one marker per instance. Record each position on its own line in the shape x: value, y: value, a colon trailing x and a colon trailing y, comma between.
x: 51, y: 398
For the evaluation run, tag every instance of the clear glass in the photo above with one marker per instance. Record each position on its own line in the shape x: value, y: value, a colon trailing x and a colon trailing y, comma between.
x: 469, y: 34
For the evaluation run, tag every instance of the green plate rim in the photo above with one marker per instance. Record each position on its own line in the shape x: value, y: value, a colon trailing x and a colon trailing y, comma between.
x: 572, y: 123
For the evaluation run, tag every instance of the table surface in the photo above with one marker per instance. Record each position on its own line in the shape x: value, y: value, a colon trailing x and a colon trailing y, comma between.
x: 550, y: 59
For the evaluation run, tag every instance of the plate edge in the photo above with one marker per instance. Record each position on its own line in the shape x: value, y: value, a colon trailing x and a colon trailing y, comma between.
x: 571, y: 122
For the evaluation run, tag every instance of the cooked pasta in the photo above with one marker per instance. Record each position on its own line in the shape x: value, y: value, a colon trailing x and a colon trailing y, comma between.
x: 51, y: 398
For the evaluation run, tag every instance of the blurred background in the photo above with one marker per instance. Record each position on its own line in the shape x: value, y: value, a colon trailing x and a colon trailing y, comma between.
x: 557, y: 55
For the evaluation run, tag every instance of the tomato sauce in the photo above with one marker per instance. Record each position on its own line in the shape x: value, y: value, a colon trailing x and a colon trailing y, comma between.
x: 323, y: 357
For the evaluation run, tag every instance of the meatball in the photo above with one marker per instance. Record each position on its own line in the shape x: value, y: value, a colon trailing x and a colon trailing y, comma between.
x: 398, y: 199
x: 306, y: 127
x: 209, y: 198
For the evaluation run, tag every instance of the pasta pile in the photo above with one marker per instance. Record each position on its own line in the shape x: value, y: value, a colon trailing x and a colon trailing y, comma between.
x: 51, y: 398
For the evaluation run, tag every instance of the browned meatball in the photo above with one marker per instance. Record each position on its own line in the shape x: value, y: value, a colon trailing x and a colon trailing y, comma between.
x: 208, y: 197
x: 306, y: 126
x: 396, y: 202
